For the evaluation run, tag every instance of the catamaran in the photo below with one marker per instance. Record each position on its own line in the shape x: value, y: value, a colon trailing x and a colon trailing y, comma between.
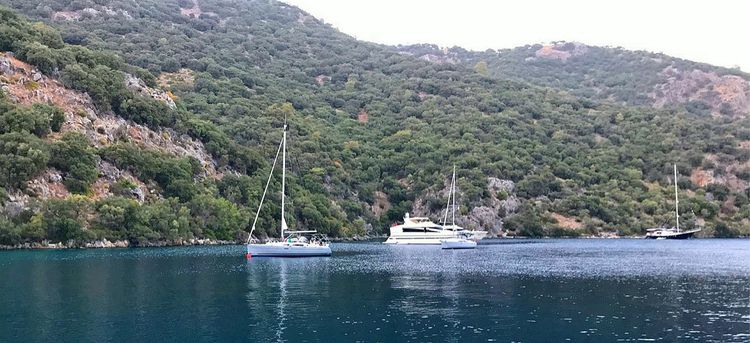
x: 459, y: 240
x: 673, y: 232
x: 291, y: 243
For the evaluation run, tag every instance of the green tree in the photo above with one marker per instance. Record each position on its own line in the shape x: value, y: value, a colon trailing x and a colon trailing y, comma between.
x: 74, y: 156
x: 22, y: 157
x: 65, y: 219
x: 34, y: 119
x: 148, y: 111
x: 40, y: 55
x: 218, y: 218
x: 481, y: 68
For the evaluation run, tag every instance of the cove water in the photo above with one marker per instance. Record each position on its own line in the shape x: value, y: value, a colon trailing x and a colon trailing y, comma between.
x: 620, y: 290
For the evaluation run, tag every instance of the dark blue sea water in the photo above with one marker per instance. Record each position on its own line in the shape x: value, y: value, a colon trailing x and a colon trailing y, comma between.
x: 521, y: 290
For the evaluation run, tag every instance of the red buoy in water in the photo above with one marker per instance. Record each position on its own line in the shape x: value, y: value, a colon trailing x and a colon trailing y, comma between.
x: 248, y: 256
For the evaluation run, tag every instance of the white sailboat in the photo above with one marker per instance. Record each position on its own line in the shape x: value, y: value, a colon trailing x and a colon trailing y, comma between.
x: 291, y: 243
x: 459, y: 240
x: 674, y: 232
x: 475, y: 235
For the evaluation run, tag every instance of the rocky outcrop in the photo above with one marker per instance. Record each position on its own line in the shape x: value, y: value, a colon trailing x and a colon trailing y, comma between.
x: 561, y: 51
x: 487, y: 216
x: 195, y: 11
x: 440, y: 59
x: 48, y: 186
x: 430, y: 53
x: 109, y: 175
x: 182, y: 77
x: 90, y: 12
x: 724, y: 173
x: 363, y: 116
x: 322, y: 79
x: 701, y: 178
x: 722, y: 95
x: 104, y: 243
x: 502, y: 203
x: 140, y: 87
x: 25, y: 85
x: 381, y: 204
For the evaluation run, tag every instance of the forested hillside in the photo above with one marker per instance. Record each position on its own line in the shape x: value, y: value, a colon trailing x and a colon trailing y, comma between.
x: 636, y: 78
x: 374, y: 131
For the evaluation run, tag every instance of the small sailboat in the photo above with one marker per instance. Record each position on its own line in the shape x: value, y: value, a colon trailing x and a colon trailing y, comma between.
x: 459, y: 240
x: 674, y: 232
x: 475, y: 235
x: 291, y: 243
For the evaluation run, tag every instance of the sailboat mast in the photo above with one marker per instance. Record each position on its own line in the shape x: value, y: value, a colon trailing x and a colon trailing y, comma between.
x: 283, y: 180
x: 448, y: 205
x: 453, y: 191
x: 676, y: 200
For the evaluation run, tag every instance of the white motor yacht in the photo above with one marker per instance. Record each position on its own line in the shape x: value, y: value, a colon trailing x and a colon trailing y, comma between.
x: 418, y: 230
x: 291, y: 243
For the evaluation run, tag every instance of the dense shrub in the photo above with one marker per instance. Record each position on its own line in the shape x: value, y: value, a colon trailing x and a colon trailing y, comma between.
x: 174, y: 175
x: 22, y: 157
x: 74, y: 156
x: 36, y: 119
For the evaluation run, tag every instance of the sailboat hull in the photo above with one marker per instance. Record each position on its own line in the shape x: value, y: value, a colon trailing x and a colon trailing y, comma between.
x: 283, y: 249
x: 458, y: 243
x: 667, y: 234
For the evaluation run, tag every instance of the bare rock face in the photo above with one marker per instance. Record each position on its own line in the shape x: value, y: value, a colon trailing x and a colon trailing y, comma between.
x: 15, y: 204
x: 26, y: 85
x: 5, y: 66
x: 561, y: 51
x: 502, y: 203
x: 139, y: 86
x: 435, y: 55
x: 487, y: 216
x: 195, y: 11
x: 444, y: 58
x: 90, y: 12
x: 725, y: 95
x: 104, y: 243
x: 48, y: 185
x: 138, y: 194
x: 381, y: 203
x: 496, y: 185
x: 322, y: 79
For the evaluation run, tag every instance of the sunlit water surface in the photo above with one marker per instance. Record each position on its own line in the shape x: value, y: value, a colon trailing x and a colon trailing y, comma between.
x: 519, y: 290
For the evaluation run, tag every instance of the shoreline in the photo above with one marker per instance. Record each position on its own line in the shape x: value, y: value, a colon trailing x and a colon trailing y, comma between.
x: 117, y: 244
x: 124, y: 244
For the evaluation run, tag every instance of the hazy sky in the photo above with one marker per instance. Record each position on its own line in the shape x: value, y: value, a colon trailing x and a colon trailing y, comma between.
x: 716, y: 31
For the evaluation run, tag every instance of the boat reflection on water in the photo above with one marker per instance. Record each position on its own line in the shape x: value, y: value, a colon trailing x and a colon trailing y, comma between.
x: 268, y: 308
x: 279, y: 293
